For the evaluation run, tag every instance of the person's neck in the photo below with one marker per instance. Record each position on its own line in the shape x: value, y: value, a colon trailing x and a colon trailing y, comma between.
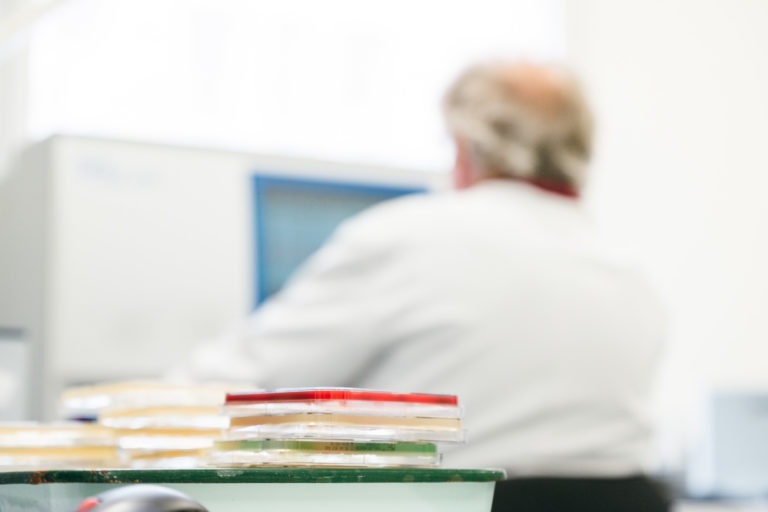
x: 464, y: 177
x: 558, y: 189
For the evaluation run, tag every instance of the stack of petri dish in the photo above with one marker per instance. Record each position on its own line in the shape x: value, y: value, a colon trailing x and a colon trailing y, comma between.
x: 156, y: 424
x: 56, y: 446
x: 336, y: 427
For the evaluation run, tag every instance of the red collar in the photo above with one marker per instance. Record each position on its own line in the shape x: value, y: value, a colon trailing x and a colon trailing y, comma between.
x: 555, y: 188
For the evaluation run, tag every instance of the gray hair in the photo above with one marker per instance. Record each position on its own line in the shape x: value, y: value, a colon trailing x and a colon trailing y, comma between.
x: 508, y: 135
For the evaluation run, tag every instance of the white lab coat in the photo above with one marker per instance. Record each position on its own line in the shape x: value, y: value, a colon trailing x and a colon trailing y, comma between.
x: 501, y: 294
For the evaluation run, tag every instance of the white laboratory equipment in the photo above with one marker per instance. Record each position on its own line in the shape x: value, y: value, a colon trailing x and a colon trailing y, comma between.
x: 117, y: 256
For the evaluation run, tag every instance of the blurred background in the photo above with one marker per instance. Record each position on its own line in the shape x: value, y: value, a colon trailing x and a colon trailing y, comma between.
x: 141, y: 142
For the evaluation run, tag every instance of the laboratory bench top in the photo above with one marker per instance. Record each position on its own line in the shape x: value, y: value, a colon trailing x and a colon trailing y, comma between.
x: 284, y: 488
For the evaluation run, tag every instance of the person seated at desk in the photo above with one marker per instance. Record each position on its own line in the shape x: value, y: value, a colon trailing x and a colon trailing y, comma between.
x: 498, y: 291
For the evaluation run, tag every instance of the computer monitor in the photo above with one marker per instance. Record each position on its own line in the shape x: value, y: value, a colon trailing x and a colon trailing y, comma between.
x: 293, y: 216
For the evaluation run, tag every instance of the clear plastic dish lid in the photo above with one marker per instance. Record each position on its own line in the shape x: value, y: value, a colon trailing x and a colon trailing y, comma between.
x: 90, y: 401
x: 59, y: 445
x: 141, y: 443
x: 322, y: 453
x: 50, y: 435
x: 180, y: 417
x: 90, y: 457
x: 346, y: 428
x: 342, y: 401
x: 167, y: 460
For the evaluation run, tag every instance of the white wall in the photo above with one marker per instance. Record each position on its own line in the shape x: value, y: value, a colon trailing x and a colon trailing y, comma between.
x: 681, y: 90
x: 339, y: 80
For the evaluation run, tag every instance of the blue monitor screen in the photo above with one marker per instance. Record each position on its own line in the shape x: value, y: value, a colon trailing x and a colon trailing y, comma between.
x: 294, y: 216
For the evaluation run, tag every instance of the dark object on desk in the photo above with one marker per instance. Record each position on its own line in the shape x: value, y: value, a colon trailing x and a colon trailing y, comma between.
x: 553, y: 494
x: 141, y: 498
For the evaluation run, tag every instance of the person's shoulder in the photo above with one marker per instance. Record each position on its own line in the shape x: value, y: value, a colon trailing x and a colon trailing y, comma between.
x: 405, y: 212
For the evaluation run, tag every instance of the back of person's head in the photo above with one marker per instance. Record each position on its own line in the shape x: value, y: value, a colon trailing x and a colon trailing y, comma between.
x: 523, y: 121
